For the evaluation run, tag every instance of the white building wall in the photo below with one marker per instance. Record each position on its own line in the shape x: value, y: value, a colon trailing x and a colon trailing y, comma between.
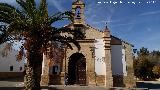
x: 10, y: 60
x: 124, y: 62
x: 117, y: 62
x: 100, y: 67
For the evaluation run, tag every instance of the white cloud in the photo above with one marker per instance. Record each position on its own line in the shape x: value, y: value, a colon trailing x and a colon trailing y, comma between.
x: 122, y: 24
x: 96, y: 14
x: 149, y: 13
x: 149, y: 29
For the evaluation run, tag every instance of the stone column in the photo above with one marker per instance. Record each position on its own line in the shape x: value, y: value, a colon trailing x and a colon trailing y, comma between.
x: 45, y: 71
x: 108, y: 77
x: 129, y: 79
x: 64, y: 65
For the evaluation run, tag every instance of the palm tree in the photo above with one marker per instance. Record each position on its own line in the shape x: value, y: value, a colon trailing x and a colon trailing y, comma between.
x: 33, y: 25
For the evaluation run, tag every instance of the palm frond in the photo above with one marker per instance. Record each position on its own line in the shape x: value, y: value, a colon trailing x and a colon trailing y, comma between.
x: 4, y: 7
x: 60, y: 16
x: 3, y: 34
x: 5, y: 17
x: 69, y: 15
x: 20, y: 54
x: 9, y: 14
x: 74, y: 33
x: 6, y: 50
x: 22, y: 3
x: 31, y: 3
x: 43, y: 7
x: 28, y: 7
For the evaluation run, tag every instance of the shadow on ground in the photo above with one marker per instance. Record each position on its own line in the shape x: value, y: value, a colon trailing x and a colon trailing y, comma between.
x: 148, y: 85
x: 21, y: 88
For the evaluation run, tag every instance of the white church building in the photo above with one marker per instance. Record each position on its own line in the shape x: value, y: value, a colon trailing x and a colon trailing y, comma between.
x: 9, y: 66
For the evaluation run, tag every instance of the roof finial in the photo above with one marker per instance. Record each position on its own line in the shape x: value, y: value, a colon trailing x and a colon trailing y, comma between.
x: 106, y: 28
x: 106, y: 25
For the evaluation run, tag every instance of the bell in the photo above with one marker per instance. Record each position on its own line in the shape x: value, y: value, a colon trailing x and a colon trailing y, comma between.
x: 78, y: 15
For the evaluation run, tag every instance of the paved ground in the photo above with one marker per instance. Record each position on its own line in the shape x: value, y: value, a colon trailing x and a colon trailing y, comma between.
x: 16, y: 85
x: 70, y: 88
x: 13, y: 84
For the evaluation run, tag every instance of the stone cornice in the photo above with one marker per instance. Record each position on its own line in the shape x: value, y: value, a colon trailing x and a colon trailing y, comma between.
x: 87, y: 40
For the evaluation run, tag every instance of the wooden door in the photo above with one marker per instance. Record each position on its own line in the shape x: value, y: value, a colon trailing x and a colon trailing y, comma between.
x: 81, y: 72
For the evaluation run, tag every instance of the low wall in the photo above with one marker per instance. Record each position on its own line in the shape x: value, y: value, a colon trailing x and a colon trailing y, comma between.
x: 7, y: 75
x: 148, y: 84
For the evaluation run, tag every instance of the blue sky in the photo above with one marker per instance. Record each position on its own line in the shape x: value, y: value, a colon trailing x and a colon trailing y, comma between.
x: 135, y: 21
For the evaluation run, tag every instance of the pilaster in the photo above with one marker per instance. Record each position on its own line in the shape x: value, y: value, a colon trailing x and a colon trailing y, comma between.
x: 45, y: 71
x: 91, y: 71
x: 107, y: 40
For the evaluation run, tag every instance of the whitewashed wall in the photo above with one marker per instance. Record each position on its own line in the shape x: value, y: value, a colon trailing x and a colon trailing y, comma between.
x: 100, y: 67
x: 10, y: 60
x: 124, y: 62
x: 118, y: 60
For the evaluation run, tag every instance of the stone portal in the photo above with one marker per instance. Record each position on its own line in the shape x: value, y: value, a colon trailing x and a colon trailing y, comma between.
x: 77, y: 69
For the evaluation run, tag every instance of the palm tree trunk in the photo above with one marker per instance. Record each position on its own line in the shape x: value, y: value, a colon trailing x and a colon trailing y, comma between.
x: 33, y: 71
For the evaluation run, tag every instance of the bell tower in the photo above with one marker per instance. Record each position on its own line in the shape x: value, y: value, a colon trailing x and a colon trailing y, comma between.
x: 78, y: 10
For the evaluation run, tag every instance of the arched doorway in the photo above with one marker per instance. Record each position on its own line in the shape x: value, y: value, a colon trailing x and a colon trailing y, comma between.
x: 77, y: 69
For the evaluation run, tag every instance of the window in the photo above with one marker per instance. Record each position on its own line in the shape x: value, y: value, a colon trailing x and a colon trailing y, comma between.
x: 20, y: 68
x: 11, y: 68
x: 126, y: 68
x: 55, y: 70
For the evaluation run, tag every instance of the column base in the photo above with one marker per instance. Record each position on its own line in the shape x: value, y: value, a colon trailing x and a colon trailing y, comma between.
x: 91, y: 79
x: 62, y: 77
x: 109, y: 81
x: 44, y: 80
x: 100, y: 80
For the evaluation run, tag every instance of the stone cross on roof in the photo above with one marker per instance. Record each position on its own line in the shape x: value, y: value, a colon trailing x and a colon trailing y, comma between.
x: 106, y: 28
x: 106, y: 25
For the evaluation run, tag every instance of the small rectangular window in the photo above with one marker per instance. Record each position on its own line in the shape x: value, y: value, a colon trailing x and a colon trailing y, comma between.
x: 126, y: 68
x: 11, y: 68
x: 20, y: 68
x: 55, y: 70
